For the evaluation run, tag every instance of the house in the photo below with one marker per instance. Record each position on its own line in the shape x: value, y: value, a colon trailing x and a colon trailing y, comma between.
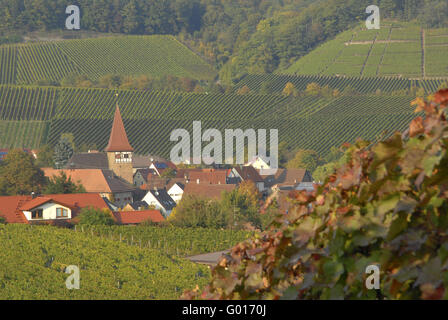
x: 306, y: 186
x: 101, y: 181
x: 287, y: 179
x: 161, y: 200
x: 88, y: 160
x: 206, y: 176
x: 249, y: 173
x: 138, y: 217
x: 142, y: 176
x: 161, y: 166
x: 48, y: 208
x: 214, y: 192
x: 258, y: 163
x: 176, y: 191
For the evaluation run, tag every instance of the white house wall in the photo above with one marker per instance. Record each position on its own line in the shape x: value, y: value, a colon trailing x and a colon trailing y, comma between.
x: 49, y: 212
x: 176, y: 193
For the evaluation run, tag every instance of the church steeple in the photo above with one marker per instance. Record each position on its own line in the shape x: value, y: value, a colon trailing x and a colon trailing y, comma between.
x: 119, y: 151
x: 118, y: 141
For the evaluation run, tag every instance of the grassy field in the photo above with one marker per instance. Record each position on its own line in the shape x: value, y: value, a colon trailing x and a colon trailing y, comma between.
x: 397, y: 49
x: 33, y: 261
x: 154, y: 56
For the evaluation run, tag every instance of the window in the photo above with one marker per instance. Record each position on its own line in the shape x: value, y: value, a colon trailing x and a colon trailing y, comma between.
x: 123, y: 157
x: 61, y: 213
x: 37, y: 214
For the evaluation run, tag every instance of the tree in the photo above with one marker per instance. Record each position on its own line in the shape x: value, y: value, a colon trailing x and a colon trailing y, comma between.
x: 241, y: 208
x: 289, y: 90
x: 62, y: 185
x: 20, y: 175
x: 194, y: 211
x: 130, y: 13
x: 313, y: 89
x: 93, y: 217
x: 45, y: 157
x: 266, y: 88
x: 386, y: 206
x: 249, y: 189
x: 243, y: 90
x: 168, y: 173
x: 62, y: 152
x: 304, y: 159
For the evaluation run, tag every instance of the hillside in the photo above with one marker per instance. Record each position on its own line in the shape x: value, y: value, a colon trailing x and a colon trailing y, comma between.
x: 275, y: 83
x: 154, y: 56
x: 397, y: 49
x: 33, y: 260
x: 311, y: 122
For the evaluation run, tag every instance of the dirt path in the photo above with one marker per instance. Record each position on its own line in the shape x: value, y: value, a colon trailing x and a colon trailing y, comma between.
x: 379, y: 41
x: 423, y: 54
x: 384, y: 52
x: 368, y: 55
x: 335, y: 58
x: 208, y: 258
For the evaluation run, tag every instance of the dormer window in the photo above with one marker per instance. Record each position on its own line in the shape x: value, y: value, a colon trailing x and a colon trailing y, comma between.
x: 61, y: 213
x: 37, y: 214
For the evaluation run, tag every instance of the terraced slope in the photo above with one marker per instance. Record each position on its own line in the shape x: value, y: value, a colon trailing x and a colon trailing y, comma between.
x: 306, y: 122
x: 276, y: 83
x: 155, y: 56
x: 397, y: 49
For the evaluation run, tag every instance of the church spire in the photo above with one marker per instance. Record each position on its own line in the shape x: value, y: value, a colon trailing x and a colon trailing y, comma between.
x: 118, y: 141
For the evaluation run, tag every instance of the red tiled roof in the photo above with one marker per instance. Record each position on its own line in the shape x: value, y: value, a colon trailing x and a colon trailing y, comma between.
x: 93, y: 180
x: 80, y: 200
x: 249, y: 173
x: 9, y: 208
x: 118, y: 140
x: 12, y: 207
x: 208, y: 190
x: 36, y: 202
x: 208, y: 176
x: 137, y: 217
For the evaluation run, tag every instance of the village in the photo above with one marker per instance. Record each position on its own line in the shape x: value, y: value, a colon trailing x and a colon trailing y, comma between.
x: 138, y: 189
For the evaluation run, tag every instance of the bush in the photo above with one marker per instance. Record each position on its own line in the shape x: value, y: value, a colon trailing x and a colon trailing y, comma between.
x: 2, y: 220
x: 195, y: 211
x: 386, y: 206
x: 91, y: 216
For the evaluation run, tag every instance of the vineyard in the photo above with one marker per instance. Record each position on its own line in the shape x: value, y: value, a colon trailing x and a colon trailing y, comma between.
x: 33, y: 260
x: 154, y: 56
x: 173, y: 241
x: 305, y: 122
x: 276, y: 83
x: 395, y: 50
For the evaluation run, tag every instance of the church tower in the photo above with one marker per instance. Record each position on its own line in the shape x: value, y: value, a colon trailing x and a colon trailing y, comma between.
x: 119, y: 151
